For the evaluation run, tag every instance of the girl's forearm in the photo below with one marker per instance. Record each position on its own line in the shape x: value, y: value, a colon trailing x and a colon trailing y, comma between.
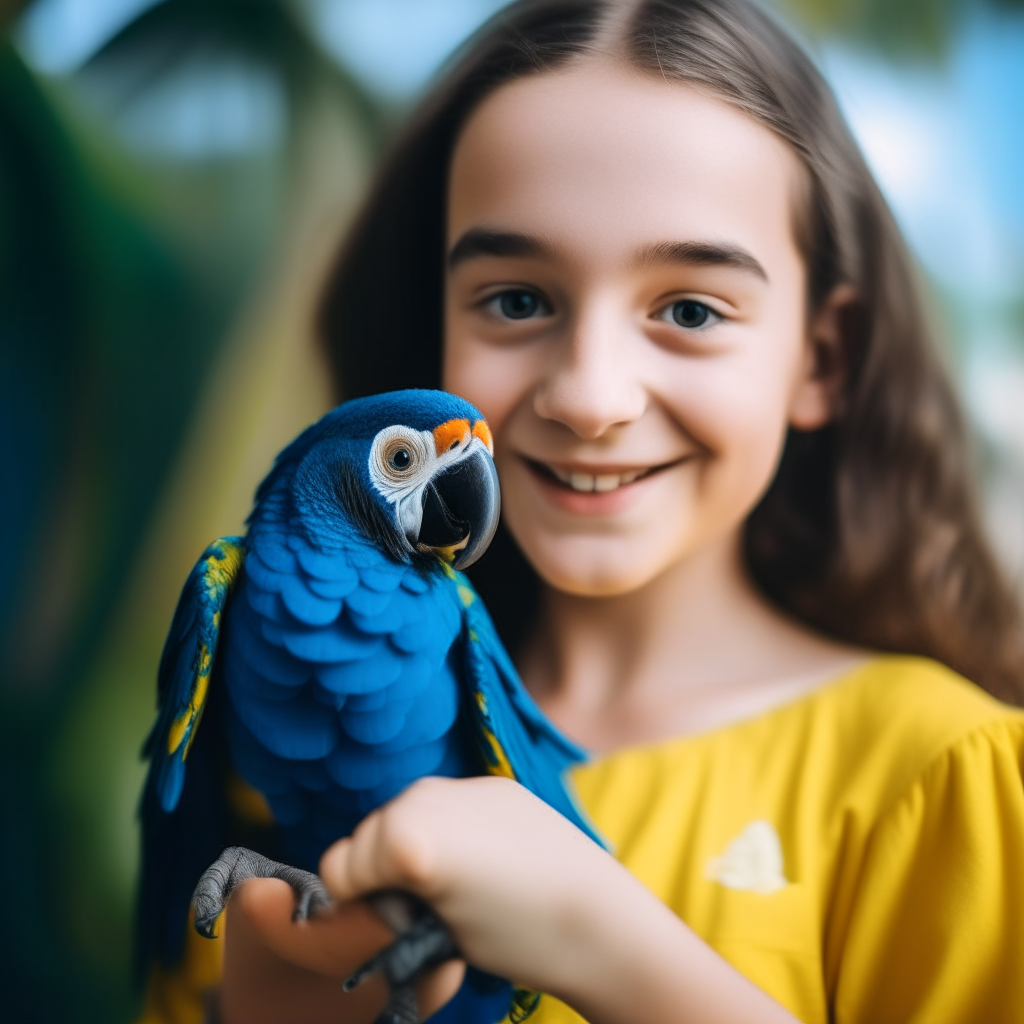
x: 549, y: 908
x: 633, y: 961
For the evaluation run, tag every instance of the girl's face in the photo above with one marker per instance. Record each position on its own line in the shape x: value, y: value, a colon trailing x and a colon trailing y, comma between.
x: 625, y: 304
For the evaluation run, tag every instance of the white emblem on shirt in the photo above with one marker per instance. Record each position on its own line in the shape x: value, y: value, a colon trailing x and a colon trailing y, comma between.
x: 752, y: 861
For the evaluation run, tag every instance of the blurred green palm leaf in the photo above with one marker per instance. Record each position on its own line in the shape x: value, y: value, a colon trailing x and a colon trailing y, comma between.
x: 915, y: 28
x: 120, y: 277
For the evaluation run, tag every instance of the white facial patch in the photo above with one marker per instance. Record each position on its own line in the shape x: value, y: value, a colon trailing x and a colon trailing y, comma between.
x: 402, y: 462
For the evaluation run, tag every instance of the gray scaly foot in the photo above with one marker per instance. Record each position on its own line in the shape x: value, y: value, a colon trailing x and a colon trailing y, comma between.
x: 423, y: 942
x: 235, y: 865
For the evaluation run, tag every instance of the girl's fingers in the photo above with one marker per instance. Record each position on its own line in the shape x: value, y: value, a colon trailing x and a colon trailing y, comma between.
x: 346, y: 870
x: 391, y: 848
x: 334, y: 943
x: 277, y: 971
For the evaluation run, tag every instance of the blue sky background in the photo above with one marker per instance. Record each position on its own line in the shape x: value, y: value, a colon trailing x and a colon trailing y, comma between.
x: 945, y: 139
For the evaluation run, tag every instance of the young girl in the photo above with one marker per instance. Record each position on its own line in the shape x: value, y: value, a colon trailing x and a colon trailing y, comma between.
x: 638, y: 236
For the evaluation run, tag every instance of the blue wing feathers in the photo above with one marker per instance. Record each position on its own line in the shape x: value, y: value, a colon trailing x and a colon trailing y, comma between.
x: 170, y: 783
x: 186, y: 665
x: 538, y: 753
x: 181, y: 810
x: 479, y: 621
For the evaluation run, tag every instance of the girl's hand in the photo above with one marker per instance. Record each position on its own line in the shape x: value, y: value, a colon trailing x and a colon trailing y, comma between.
x: 509, y: 876
x: 527, y: 896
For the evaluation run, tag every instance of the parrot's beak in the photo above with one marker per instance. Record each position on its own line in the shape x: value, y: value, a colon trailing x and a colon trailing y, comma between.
x: 461, y: 507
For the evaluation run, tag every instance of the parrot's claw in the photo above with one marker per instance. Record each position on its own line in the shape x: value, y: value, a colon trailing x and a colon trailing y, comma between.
x: 235, y: 865
x: 423, y: 942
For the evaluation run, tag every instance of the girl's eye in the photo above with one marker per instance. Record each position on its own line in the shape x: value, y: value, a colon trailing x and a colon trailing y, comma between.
x: 518, y: 304
x: 689, y: 313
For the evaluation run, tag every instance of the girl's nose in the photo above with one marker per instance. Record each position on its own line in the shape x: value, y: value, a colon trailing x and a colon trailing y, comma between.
x: 591, y: 385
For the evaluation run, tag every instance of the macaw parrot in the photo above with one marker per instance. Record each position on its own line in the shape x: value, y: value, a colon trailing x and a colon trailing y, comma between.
x: 326, y: 660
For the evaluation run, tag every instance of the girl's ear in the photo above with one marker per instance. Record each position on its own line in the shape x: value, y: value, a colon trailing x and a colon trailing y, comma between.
x: 819, y: 387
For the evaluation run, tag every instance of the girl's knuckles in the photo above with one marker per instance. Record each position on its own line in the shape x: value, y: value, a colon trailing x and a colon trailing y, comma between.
x: 409, y: 850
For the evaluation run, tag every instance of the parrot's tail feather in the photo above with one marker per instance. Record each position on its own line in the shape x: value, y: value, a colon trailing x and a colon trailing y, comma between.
x: 170, y: 784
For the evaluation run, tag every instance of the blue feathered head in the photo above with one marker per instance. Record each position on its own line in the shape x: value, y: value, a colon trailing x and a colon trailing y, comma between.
x: 410, y: 470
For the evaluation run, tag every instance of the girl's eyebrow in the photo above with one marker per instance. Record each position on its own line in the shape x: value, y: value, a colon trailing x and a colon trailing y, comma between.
x: 701, y: 254
x: 485, y: 242
x: 489, y: 242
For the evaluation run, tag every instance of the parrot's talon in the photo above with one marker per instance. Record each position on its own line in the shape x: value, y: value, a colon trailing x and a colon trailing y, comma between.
x: 422, y: 942
x: 310, y: 903
x: 355, y: 980
x: 235, y: 865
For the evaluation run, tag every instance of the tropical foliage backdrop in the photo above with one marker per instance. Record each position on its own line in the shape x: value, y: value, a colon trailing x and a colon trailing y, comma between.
x: 174, y: 178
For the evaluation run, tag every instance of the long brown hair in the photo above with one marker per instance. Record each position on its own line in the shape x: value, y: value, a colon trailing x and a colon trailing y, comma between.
x: 869, y: 530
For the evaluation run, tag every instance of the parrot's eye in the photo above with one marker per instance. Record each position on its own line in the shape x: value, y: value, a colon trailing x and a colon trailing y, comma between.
x: 398, y: 456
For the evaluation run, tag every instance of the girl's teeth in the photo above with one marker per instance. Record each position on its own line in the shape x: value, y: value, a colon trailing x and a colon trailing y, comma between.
x: 588, y: 482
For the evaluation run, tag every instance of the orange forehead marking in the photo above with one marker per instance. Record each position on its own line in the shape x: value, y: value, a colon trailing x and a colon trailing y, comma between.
x: 449, y: 434
x: 481, y: 430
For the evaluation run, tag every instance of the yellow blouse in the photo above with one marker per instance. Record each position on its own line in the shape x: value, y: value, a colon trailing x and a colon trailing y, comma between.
x: 858, y: 854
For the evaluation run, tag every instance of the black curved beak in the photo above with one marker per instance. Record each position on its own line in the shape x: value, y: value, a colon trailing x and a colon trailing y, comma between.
x: 461, y: 507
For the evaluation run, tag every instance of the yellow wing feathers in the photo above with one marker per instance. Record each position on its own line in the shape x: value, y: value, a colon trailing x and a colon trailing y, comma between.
x: 497, y: 760
x: 220, y: 566
x: 185, y: 723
